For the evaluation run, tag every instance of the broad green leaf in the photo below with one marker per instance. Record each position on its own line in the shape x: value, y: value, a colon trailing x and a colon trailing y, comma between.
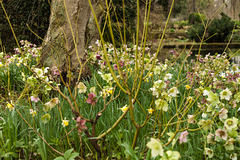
x: 129, y: 151
x: 59, y: 158
x: 67, y: 153
x: 46, y: 118
x: 73, y: 156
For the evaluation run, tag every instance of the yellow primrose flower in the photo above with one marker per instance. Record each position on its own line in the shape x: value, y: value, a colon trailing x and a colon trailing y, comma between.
x: 10, y: 106
x: 65, y: 122
x: 190, y: 99
x: 1, y: 64
x: 146, y: 80
x: 129, y: 69
x: 150, y: 110
x: 187, y: 87
x: 150, y: 74
x: 110, y: 91
x: 124, y: 108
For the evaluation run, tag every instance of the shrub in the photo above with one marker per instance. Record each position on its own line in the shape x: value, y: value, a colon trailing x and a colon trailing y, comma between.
x: 218, y: 31
x: 194, y: 18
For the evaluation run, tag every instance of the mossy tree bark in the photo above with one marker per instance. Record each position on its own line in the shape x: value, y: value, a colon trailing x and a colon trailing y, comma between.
x: 69, y: 25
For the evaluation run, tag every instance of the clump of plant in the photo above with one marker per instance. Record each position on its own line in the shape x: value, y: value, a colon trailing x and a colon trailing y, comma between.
x: 11, y: 79
x: 217, y: 30
x: 194, y: 18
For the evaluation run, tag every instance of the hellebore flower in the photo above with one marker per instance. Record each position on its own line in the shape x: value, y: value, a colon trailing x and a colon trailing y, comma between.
x: 52, y: 103
x: 191, y: 119
x: 34, y: 99
x: 92, y: 99
x: 223, y: 114
x: 226, y: 94
x: 168, y: 76
x: 80, y: 124
x: 156, y: 147
x: 81, y: 88
x: 210, y: 138
x: 183, y: 137
x: 161, y: 104
x: 221, y: 134
x: 229, y: 144
x: 39, y: 72
x: 171, y: 155
x: 209, y: 152
x: 207, y: 124
x: 173, y: 92
x: 231, y: 123
x: 213, y: 98
x: 107, y: 77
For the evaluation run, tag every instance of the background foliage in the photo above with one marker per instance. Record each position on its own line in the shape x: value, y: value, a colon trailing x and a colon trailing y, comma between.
x: 35, y: 13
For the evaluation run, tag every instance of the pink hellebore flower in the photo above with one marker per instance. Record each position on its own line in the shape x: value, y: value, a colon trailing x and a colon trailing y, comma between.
x: 183, y: 137
x: 92, y: 99
x: 191, y: 119
x: 34, y: 99
x: 98, y: 56
x: 34, y: 55
x: 56, y: 72
x: 221, y: 134
x: 81, y: 124
x: 121, y: 63
x: 223, y: 114
x: 115, y: 66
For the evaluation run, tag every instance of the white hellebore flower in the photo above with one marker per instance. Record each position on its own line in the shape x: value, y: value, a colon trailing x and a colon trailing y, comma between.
x: 82, y: 88
x: 226, y: 94
x: 173, y: 92
x: 168, y: 76
x: 159, y: 84
x: 205, y: 92
x: 156, y: 147
x: 107, y: 77
x: 39, y: 72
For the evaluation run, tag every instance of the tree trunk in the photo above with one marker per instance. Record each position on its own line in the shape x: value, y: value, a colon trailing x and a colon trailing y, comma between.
x: 59, y: 49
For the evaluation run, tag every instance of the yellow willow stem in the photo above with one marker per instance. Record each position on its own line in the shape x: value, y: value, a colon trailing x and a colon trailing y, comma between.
x: 10, y: 25
x: 131, y: 111
x: 208, y: 122
x: 145, y: 39
x: 113, y: 40
x: 105, y: 51
x: 114, y: 125
x: 124, y: 23
x: 74, y: 40
x: 136, y: 51
x: 135, y: 137
x: 162, y: 37
x: 39, y: 134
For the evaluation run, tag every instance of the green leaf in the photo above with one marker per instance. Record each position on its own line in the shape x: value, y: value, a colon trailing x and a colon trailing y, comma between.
x: 20, y: 144
x: 129, y: 151
x: 67, y: 153
x: 73, y: 155
x: 45, y: 118
x: 15, y: 155
x: 59, y: 158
